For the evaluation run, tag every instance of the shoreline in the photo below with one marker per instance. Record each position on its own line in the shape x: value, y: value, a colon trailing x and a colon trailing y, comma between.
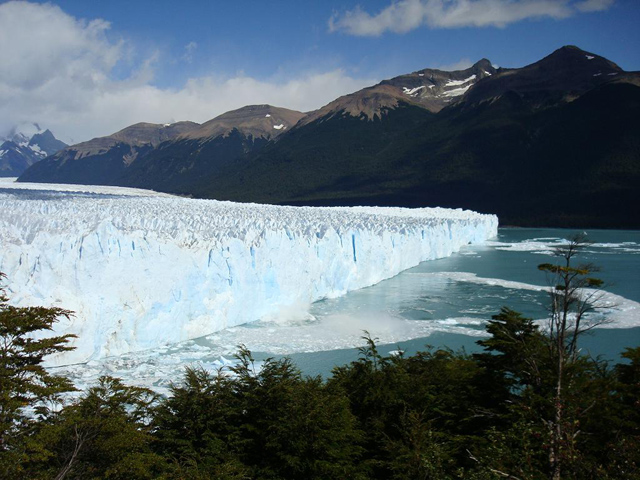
x: 603, y: 342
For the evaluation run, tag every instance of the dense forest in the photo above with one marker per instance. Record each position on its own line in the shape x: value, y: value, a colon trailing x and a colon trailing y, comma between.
x: 529, y: 406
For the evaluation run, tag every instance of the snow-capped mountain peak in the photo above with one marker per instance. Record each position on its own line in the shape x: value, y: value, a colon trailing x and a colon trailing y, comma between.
x: 24, y: 145
x: 22, y: 133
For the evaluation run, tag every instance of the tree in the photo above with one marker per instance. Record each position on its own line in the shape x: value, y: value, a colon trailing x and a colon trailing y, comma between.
x: 197, y: 427
x: 623, y: 449
x: 264, y: 423
x: 420, y: 414
x: 574, y: 293
x: 513, y: 351
x: 105, y: 434
x: 549, y: 389
x: 27, y: 389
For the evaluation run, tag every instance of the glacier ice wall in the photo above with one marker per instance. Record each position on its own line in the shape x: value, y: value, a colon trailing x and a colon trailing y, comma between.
x: 141, y: 270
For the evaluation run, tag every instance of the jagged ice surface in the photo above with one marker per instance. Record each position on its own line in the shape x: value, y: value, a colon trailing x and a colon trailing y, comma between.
x: 141, y: 270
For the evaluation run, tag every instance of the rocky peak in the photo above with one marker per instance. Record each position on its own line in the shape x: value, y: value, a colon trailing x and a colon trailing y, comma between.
x: 22, y: 133
x: 26, y: 145
x: 258, y: 121
x: 435, y: 89
x: 137, y: 135
x: 561, y: 76
x: 152, y: 133
x: 46, y: 142
x: 430, y: 88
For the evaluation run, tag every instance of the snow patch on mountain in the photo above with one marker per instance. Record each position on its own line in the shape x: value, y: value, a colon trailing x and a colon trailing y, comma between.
x: 453, y: 83
x: 456, y: 92
x: 37, y: 150
x: 412, y: 91
x: 145, y: 270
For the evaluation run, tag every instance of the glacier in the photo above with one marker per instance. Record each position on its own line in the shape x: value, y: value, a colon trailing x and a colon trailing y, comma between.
x: 142, y: 269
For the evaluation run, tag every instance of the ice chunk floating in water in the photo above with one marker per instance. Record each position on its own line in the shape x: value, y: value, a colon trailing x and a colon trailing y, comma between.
x: 142, y: 270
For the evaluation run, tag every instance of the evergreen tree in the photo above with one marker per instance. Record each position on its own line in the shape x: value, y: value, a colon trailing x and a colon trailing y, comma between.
x: 105, y: 434
x: 550, y: 391
x: 420, y: 414
x: 197, y: 427
x: 266, y: 422
x: 623, y: 447
x: 28, y: 392
x: 573, y: 293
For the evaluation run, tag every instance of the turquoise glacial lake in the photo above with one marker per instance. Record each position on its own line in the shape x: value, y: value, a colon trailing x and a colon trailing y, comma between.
x: 458, y: 294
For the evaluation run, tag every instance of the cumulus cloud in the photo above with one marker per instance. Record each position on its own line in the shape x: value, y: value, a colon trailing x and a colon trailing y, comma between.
x: 405, y: 15
x: 63, y: 73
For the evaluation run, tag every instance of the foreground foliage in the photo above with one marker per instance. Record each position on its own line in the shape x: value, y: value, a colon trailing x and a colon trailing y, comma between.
x: 28, y: 393
x: 529, y: 406
x: 434, y: 415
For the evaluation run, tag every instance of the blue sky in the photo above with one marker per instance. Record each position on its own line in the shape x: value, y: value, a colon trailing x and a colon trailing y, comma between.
x: 280, y: 38
x: 89, y: 68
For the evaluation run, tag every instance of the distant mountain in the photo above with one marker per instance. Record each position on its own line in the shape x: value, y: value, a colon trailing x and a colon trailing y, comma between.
x: 22, y: 132
x: 46, y: 142
x: 553, y: 143
x: 175, y: 166
x: 256, y: 121
x: 166, y: 157
x: 104, y: 160
x: 560, y: 77
x: 24, y: 146
x: 429, y: 89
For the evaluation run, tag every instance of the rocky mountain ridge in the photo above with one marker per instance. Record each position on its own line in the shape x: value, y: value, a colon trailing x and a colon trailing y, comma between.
x: 138, y: 135
x: 138, y: 154
x: 562, y: 76
x: 430, y: 89
x: 483, y: 138
x: 257, y: 121
x: 550, y: 144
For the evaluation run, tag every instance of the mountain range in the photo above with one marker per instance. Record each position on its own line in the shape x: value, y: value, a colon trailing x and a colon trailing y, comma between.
x: 554, y: 143
x: 25, y: 145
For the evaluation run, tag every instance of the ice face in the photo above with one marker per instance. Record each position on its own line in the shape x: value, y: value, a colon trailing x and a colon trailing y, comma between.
x: 142, y: 270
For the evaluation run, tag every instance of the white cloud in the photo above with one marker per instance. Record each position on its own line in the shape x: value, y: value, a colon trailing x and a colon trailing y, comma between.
x: 202, y: 99
x: 405, y: 15
x: 594, y: 5
x: 61, y: 72
x: 189, y: 48
x: 39, y: 39
x: 399, y: 17
x: 461, y: 64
